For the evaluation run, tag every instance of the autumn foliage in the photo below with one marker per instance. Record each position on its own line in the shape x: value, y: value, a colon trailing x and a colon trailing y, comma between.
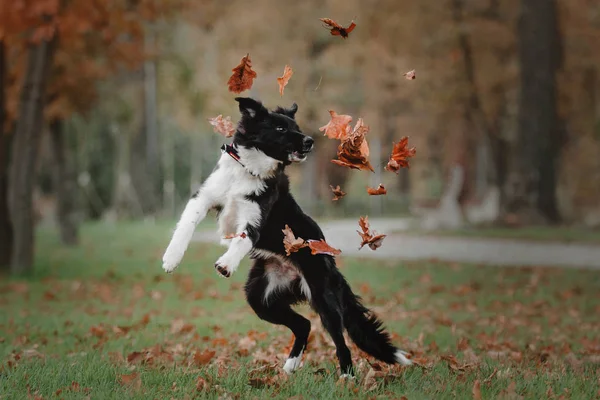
x: 370, y: 238
x: 293, y: 244
x: 336, y: 29
x: 283, y: 80
x: 400, y: 155
x: 221, y: 125
x: 243, y: 76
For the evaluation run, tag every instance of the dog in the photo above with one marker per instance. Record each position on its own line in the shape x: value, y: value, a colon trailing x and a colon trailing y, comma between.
x: 251, y: 193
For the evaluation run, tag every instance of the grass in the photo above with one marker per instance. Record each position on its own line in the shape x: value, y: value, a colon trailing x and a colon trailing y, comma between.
x: 71, y: 326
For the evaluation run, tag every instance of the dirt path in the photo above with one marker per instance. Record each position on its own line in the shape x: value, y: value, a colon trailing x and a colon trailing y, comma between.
x: 503, y: 252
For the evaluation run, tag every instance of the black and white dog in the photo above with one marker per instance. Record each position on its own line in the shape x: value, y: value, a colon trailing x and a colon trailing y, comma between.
x: 251, y: 193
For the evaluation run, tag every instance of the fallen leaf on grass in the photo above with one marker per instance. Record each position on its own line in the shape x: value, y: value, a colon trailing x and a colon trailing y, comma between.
x: 283, y: 80
x: 290, y: 242
x: 242, y: 77
x: 203, y: 358
x: 369, y: 238
x: 337, y: 127
x: 98, y: 331
x: 180, y: 326
x: 353, y: 152
x: 400, y: 155
x: 454, y: 365
x: 410, y: 75
x: 476, y: 390
x: 377, y: 192
x: 132, y: 380
x: 202, y: 385
x: 336, y: 29
x: 322, y: 247
x: 337, y: 192
x: 221, y: 125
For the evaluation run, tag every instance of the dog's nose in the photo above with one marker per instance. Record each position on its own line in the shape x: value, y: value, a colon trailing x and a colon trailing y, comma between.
x: 308, y: 143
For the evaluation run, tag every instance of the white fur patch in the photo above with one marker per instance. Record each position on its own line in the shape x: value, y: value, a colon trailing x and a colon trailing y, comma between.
x: 401, y: 358
x: 281, y: 273
x: 292, y: 363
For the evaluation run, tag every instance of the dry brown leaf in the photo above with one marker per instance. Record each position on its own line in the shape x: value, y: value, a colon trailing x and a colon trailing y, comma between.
x: 400, y: 156
x: 477, y: 390
x: 180, y: 326
x: 337, y: 192
x: 370, y: 238
x: 221, y: 125
x: 201, y: 384
x: 242, y: 77
x: 336, y: 29
x: 321, y: 247
x: 377, y: 192
x: 283, y: 80
x: 203, y: 358
x: 234, y: 235
x: 290, y: 242
x: 338, y: 127
x: 410, y: 75
x: 353, y: 152
x: 132, y: 380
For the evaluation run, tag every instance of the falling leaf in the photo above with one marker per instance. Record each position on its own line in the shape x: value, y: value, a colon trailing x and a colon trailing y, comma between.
x: 321, y: 247
x: 221, y: 125
x: 370, y: 238
x: 242, y: 77
x: 203, y: 358
x: 234, y: 235
x: 290, y: 242
x: 336, y: 29
x: 477, y: 390
x: 283, y: 80
x: 376, y: 192
x: 132, y: 380
x: 400, y: 155
x: 337, y: 127
x: 410, y: 75
x: 337, y: 192
x: 353, y: 152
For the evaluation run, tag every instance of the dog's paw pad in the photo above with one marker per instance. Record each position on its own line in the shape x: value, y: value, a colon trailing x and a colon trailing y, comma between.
x: 222, y: 270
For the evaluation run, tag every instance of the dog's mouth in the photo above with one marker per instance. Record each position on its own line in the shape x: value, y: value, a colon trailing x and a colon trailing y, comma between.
x: 297, y: 156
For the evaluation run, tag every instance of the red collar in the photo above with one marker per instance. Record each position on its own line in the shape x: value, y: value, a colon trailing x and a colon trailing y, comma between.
x: 233, y: 153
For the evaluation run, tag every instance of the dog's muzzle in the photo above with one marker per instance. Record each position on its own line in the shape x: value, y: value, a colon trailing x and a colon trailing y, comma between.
x: 307, y: 145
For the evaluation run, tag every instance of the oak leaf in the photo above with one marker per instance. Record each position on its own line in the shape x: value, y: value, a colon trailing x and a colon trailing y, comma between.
x: 369, y: 238
x: 322, y: 247
x: 221, y: 125
x: 353, y: 152
x: 337, y: 192
x: 337, y: 127
x: 410, y: 75
x: 283, y: 80
x: 400, y: 155
x: 376, y: 192
x: 203, y: 358
x: 336, y: 29
x: 290, y: 242
x: 242, y: 77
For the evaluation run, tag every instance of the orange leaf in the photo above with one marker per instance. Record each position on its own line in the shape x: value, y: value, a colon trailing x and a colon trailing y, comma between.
x: 376, y: 192
x: 201, y: 384
x: 336, y: 29
x: 477, y: 390
x: 321, y: 247
x: 370, y: 238
x: 234, y: 235
x: 400, y: 156
x: 203, y: 358
x: 411, y: 75
x: 132, y: 380
x: 290, y: 242
x: 221, y: 125
x: 337, y: 192
x: 353, y: 152
x: 283, y: 79
x: 242, y: 77
x: 337, y: 127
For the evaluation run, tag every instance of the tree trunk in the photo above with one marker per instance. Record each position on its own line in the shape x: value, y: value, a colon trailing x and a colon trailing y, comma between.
x: 531, y: 194
x: 65, y: 185
x: 24, y: 154
x: 5, y: 227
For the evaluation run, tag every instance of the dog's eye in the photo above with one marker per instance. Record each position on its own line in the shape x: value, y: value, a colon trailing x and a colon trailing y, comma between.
x: 280, y: 129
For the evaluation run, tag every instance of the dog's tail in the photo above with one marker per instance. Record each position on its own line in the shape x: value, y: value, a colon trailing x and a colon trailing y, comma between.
x: 367, y: 331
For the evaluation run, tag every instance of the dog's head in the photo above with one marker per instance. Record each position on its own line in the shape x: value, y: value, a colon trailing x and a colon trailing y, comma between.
x: 275, y: 133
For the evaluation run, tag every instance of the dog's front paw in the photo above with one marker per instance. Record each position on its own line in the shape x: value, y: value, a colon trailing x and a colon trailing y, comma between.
x: 171, y: 259
x: 225, y: 266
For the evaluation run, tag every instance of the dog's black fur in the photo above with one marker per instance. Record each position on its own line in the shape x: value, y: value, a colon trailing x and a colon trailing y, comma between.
x: 277, y: 135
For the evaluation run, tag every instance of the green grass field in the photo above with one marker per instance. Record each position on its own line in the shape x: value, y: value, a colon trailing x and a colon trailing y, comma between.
x: 103, y: 321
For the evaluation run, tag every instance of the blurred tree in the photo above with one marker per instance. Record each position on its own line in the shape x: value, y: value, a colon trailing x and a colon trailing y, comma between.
x: 5, y: 226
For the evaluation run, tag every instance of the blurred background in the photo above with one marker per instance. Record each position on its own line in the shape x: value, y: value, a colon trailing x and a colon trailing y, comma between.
x: 104, y: 108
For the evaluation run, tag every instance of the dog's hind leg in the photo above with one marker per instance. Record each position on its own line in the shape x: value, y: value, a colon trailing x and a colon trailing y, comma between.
x: 270, y: 299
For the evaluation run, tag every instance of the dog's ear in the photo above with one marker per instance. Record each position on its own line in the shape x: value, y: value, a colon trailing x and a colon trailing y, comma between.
x: 250, y: 107
x: 290, y: 112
